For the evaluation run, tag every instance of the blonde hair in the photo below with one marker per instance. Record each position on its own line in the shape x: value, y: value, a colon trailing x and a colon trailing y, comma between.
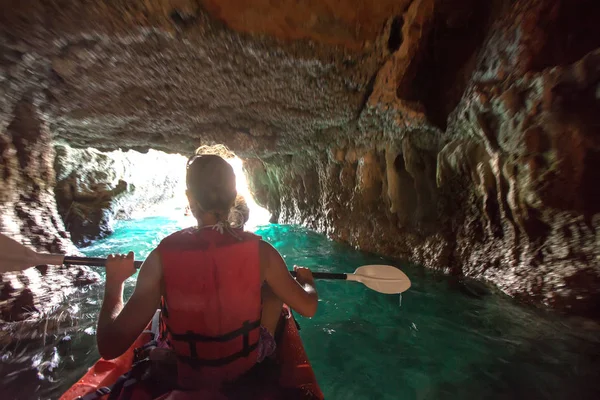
x: 216, y: 150
x: 239, y: 213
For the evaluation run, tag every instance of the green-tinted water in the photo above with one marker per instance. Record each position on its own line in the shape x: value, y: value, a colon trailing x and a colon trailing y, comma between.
x: 441, y: 341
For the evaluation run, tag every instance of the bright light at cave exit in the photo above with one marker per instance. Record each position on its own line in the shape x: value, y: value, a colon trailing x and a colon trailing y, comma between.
x: 258, y: 215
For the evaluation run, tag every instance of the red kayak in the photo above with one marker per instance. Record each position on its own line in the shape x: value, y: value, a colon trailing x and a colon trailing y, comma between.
x: 294, y: 377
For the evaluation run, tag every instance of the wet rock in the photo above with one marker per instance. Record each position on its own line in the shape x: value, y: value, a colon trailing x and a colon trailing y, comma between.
x: 61, y: 321
x: 352, y: 202
x: 87, y: 215
x: 28, y: 214
x: 85, y: 277
x: 22, y: 306
x: 64, y: 346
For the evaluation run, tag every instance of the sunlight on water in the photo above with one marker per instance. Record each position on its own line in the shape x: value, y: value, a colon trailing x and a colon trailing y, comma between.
x: 444, y: 342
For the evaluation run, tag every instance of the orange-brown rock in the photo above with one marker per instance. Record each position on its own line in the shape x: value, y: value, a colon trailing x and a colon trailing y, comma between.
x: 350, y: 23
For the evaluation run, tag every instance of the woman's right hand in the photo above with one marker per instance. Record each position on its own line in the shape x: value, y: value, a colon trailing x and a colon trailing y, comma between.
x: 304, y: 275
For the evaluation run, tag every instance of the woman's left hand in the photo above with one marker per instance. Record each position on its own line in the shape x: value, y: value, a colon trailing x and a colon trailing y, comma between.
x: 119, y: 267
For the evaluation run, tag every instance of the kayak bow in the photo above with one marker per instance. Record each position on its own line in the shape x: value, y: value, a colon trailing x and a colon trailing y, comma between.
x: 295, y: 376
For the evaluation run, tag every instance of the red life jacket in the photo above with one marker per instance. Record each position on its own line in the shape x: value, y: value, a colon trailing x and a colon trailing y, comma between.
x: 212, y: 303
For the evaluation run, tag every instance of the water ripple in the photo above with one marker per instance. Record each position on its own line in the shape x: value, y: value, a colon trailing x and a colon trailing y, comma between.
x: 447, y: 341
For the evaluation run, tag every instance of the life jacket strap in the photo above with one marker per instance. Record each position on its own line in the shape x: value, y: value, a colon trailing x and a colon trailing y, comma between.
x: 190, y: 336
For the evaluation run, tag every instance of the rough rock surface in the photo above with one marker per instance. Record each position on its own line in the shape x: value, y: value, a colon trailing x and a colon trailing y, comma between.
x: 461, y: 134
x: 28, y: 214
x: 94, y: 188
x: 166, y: 75
x: 495, y: 186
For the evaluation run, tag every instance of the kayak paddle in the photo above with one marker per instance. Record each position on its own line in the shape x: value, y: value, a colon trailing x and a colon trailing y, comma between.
x: 16, y: 257
x: 385, y: 279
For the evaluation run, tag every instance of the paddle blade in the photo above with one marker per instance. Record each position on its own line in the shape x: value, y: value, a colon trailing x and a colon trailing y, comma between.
x: 382, y: 278
x: 17, y: 257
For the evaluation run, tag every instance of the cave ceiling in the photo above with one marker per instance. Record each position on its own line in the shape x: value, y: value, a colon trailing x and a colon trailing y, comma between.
x: 172, y: 75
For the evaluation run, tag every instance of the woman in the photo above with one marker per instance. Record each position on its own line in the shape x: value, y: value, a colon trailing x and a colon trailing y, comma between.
x: 221, y: 289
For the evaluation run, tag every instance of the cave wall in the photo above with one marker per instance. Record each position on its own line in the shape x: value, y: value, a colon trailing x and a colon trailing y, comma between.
x: 380, y: 200
x: 475, y: 155
x: 531, y: 109
x: 28, y: 214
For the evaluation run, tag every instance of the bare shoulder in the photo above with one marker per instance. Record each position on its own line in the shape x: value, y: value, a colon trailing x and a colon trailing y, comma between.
x: 153, y: 259
x: 152, y: 266
x: 265, y: 247
x: 268, y: 252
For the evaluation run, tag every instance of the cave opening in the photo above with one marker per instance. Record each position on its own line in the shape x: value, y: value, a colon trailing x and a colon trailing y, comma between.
x: 95, y: 190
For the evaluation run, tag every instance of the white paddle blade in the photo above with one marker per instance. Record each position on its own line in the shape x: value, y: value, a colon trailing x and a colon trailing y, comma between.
x: 382, y: 278
x: 17, y: 257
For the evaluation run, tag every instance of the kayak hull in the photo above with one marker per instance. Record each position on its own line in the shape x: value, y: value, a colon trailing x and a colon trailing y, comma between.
x: 293, y: 367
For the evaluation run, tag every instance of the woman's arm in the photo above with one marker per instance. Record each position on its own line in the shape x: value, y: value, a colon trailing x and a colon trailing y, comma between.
x: 118, y: 325
x: 300, y: 293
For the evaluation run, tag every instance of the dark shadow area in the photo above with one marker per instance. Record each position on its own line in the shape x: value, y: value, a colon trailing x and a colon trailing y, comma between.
x: 438, y: 75
x: 408, y: 201
x: 396, y: 38
x: 572, y: 30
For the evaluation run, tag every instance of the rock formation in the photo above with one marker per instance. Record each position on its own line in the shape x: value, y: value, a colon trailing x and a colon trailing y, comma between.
x: 28, y: 214
x: 94, y: 188
x: 492, y: 185
x: 460, y: 134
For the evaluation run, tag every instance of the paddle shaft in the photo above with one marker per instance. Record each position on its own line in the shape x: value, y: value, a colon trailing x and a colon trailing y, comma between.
x: 91, y: 261
x: 100, y: 262
x: 326, y: 275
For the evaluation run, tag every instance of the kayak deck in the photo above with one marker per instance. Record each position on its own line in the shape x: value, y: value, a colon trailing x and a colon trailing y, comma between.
x: 293, y: 368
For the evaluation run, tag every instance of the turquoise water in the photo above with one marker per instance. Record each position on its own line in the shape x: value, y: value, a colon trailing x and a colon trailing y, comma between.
x: 444, y: 339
